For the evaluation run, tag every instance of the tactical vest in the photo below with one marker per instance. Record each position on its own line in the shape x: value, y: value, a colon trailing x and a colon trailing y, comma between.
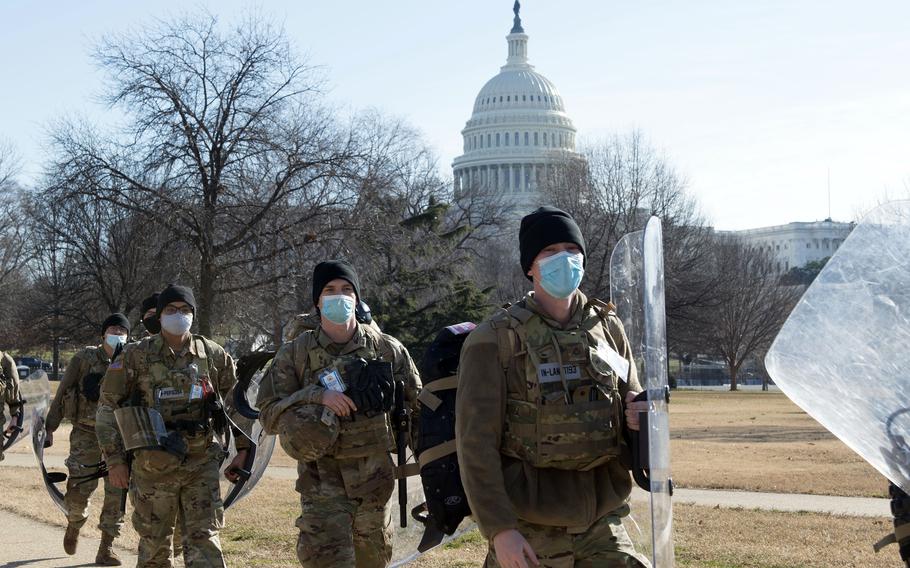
x: 361, y: 436
x: 79, y: 407
x: 568, y: 413
x: 179, y: 394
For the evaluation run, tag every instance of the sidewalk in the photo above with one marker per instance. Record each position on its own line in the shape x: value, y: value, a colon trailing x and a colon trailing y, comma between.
x: 31, y: 544
x: 851, y: 506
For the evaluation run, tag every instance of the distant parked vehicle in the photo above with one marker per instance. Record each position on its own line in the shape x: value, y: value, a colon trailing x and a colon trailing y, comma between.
x: 33, y: 363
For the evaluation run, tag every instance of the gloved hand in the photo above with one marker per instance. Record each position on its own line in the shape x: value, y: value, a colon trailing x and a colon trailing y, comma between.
x: 371, y: 386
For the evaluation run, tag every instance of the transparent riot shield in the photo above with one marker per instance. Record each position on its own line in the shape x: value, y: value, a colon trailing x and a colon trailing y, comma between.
x: 406, y: 541
x: 35, y: 395
x: 36, y: 391
x: 637, y: 290
x: 843, y: 354
x: 251, y: 369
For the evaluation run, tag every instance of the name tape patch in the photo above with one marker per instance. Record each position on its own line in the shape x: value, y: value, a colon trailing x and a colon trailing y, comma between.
x: 549, y: 372
x: 169, y: 393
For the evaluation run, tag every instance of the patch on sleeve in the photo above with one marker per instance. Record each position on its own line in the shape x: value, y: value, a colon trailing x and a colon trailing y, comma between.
x: 116, y: 365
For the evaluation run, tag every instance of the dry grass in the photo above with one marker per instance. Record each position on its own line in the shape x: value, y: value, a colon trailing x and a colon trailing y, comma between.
x: 760, y: 441
x: 747, y: 440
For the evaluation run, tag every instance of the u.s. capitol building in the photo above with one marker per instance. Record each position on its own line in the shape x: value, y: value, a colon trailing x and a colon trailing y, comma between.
x: 518, y: 131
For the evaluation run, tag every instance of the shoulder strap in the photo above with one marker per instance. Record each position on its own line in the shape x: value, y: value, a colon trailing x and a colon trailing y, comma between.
x: 505, y: 322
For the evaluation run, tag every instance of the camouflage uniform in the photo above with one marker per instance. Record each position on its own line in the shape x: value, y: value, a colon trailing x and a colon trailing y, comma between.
x: 9, y: 390
x: 539, y: 424
x: 71, y: 403
x: 149, y: 373
x: 345, y: 519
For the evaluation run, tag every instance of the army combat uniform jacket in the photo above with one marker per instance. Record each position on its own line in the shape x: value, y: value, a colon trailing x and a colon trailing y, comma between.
x: 78, y: 393
x: 149, y: 373
x: 293, y: 379
x: 536, y: 443
x: 9, y: 389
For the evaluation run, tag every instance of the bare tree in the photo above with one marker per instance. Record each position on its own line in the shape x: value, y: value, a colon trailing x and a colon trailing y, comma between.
x: 226, y: 146
x: 752, y: 309
x: 13, y: 250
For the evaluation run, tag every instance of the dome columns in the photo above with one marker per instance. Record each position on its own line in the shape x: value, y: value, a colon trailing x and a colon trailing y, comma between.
x: 504, y: 178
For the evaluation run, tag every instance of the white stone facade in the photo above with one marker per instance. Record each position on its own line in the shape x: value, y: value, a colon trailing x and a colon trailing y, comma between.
x: 795, y: 244
x: 518, y: 131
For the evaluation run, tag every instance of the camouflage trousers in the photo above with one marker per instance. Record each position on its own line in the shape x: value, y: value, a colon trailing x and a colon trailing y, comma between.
x: 605, y: 544
x: 161, y: 487
x: 337, y: 530
x: 84, y: 451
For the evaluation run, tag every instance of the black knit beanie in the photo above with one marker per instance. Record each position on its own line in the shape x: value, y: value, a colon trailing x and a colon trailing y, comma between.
x: 149, y: 303
x: 544, y: 227
x: 115, y: 319
x: 175, y: 293
x: 329, y: 270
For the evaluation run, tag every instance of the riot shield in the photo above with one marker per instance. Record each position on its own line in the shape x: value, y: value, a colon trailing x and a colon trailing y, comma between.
x: 842, y: 355
x: 637, y: 290
x: 34, y: 393
x: 50, y: 478
x: 250, y: 370
x: 406, y: 541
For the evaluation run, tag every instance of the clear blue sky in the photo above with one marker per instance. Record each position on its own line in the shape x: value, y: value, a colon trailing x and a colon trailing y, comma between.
x: 753, y: 101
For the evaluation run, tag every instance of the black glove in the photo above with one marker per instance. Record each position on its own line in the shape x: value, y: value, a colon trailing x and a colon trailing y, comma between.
x: 380, y: 375
x: 91, y: 386
x: 371, y: 386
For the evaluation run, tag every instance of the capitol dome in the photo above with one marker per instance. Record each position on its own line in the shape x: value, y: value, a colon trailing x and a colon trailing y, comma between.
x: 518, y: 131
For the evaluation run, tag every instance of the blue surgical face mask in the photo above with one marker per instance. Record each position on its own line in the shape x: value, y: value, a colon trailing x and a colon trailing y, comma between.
x: 338, y: 309
x: 114, y: 340
x: 176, y: 324
x: 561, y: 273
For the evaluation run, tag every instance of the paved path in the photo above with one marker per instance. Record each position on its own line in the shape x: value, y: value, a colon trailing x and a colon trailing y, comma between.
x: 31, y: 544
x: 853, y: 506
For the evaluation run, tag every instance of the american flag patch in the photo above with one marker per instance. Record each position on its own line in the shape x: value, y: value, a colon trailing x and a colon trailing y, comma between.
x: 116, y: 365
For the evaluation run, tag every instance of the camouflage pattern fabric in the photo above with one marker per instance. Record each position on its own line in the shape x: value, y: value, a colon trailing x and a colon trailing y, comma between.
x: 70, y: 401
x: 9, y: 390
x: 571, y: 413
x: 84, y: 451
x: 605, y: 544
x: 337, y: 530
x: 149, y: 373
x: 344, y: 521
x: 163, y: 488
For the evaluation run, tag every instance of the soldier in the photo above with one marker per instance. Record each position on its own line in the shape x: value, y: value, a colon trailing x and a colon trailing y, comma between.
x: 331, y: 412
x: 539, y: 414
x: 151, y: 325
x: 164, y: 395
x: 9, y: 393
x: 149, y: 312
x: 77, y: 401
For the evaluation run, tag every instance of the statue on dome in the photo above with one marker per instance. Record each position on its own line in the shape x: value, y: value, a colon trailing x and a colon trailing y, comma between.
x: 516, y: 27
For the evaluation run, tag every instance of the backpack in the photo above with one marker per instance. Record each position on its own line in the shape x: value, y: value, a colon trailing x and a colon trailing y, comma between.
x: 446, y: 504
